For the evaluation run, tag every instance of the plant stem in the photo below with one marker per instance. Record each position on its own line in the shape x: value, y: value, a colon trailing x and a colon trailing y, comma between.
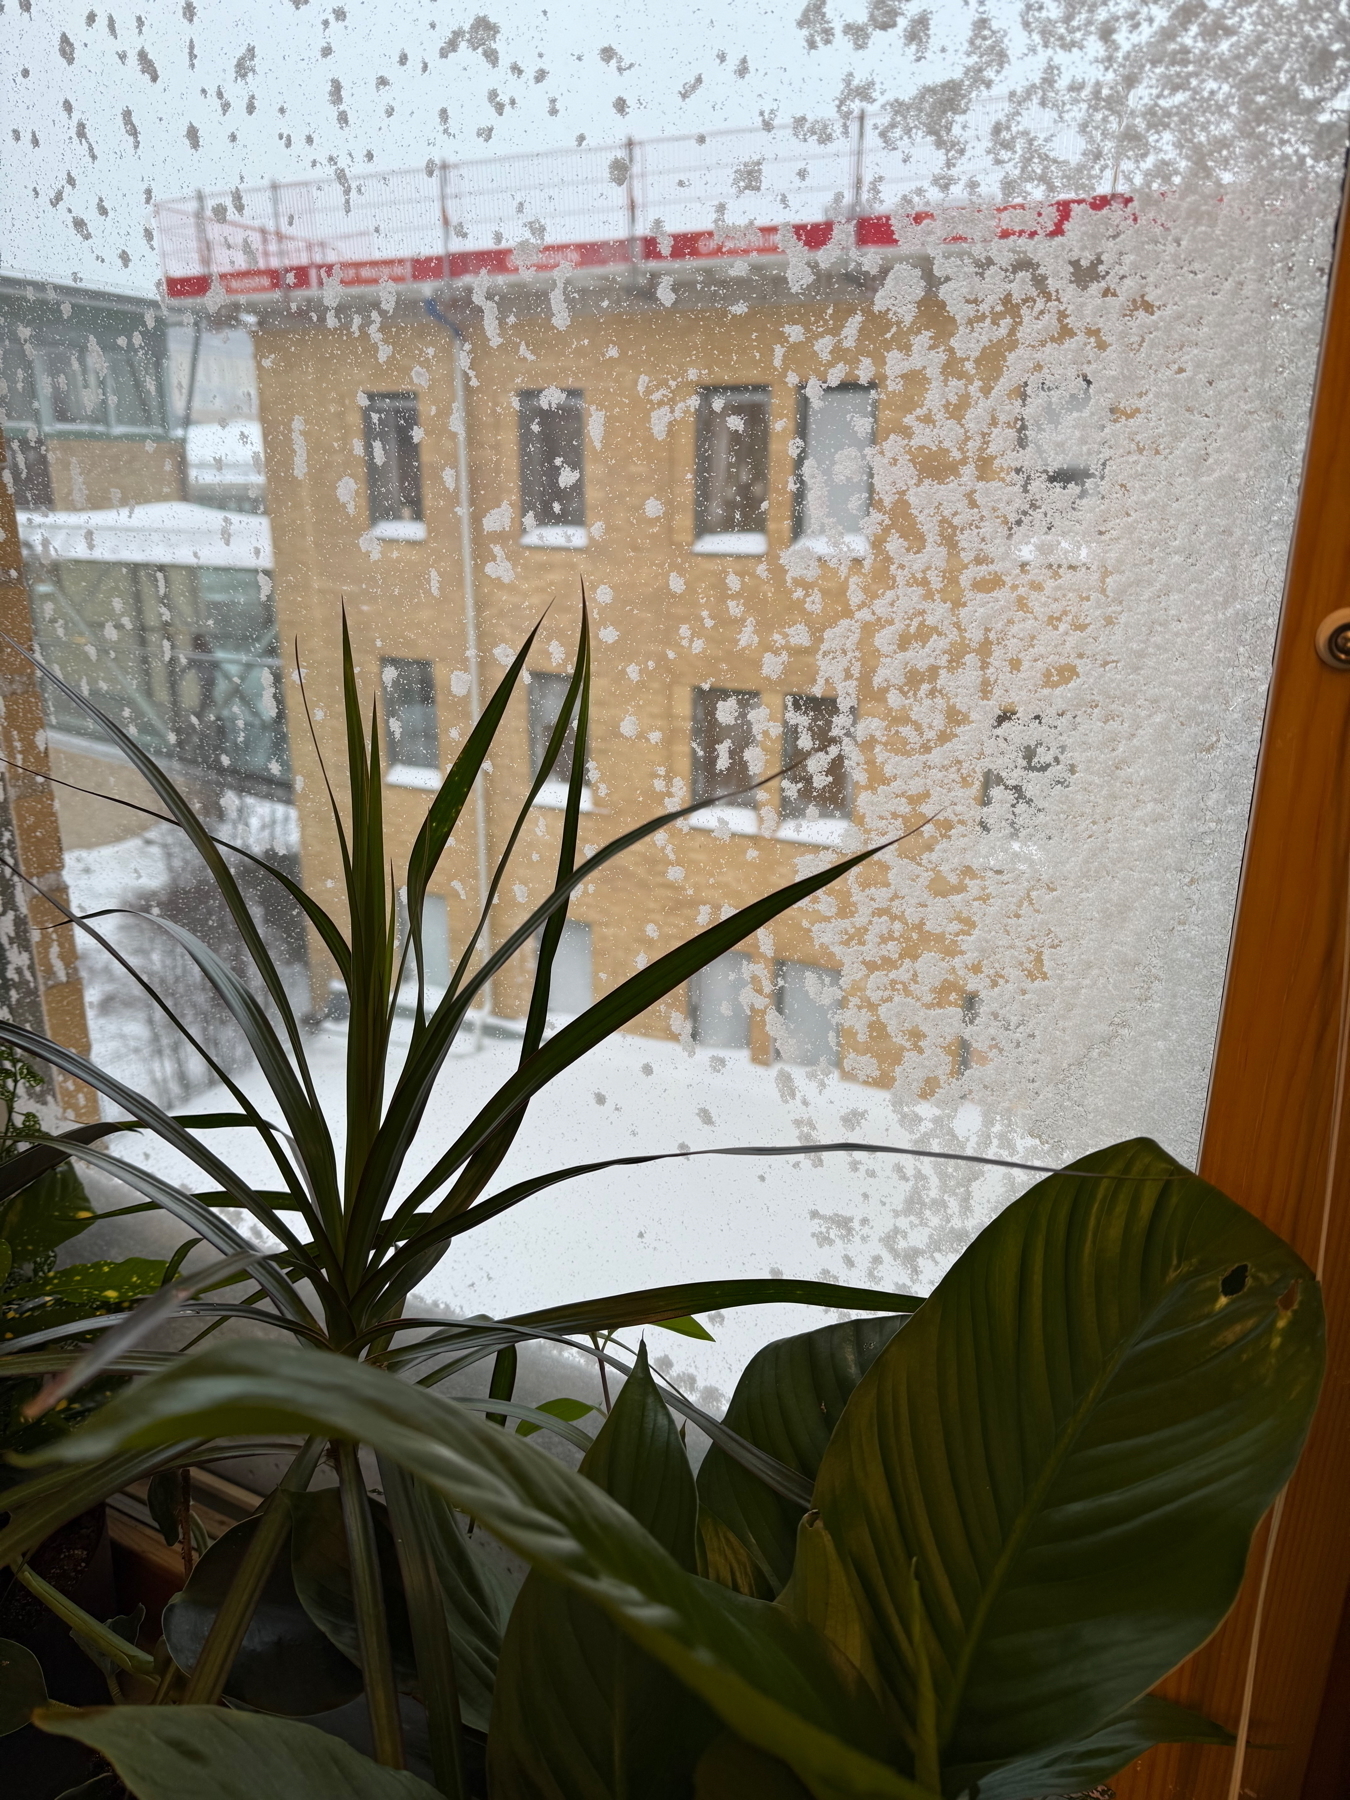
x: 430, y: 1634
x: 102, y: 1637
x: 503, y: 1383
x: 372, y: 1629
x: 206, y: 1683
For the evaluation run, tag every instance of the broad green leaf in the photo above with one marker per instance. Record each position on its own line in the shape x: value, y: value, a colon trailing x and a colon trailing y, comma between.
x: 79, y: 1291
x: 49, y: 1210
x: 772, y: 1679
x: 285, y: 1664
x: 321, y: 1571
x: 170, y: 1752
x: 687, y: 1327
x: 731, y: 1769
x: 580, y: 1712
x: 1072, y: 1443
x: 22, y: 1685
x: 1075, y: 1768
x: 18, y: 1172
x: 164, y: 1499
x: 562, y: 1408
x: 788, y: 1400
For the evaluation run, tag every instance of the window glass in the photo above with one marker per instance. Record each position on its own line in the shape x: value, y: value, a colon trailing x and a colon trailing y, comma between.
x: 719, y: 1003
x: 835, y: 429
x: 65, y: 395
x: 817, y: 787
x: 807, y: 1001
x: 572, y: 986
x: 546, y: 695
x: 132, y: 390
x: 919, y: 410
x: 394, y: 465
x: 412, y: 741
x: 552, y: 456
x: 731, y: 471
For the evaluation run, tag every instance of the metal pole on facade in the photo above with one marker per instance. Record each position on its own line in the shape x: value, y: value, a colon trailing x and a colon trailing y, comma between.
x: 460, y: 426
x: 630, y: 190
x: 859, y: 154
x: 276, y: 233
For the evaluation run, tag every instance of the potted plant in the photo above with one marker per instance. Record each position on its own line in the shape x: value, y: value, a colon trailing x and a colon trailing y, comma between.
x: 944, y: 1559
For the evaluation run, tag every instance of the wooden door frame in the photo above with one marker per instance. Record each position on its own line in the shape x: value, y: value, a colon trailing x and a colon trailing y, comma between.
x: 1269, y: 1126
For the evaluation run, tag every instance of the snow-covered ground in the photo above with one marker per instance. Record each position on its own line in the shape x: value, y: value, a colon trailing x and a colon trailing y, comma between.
x: 876, y: 1221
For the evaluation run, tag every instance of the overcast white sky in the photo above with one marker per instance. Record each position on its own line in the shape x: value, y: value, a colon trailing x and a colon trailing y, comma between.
x: 106, y: 109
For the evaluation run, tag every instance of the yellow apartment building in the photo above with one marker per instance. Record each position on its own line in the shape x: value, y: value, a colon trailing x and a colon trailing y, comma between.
x: 689, y: 428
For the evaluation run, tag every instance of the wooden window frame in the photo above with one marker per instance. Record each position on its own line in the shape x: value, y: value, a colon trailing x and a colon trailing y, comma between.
x: 1276, y: 1112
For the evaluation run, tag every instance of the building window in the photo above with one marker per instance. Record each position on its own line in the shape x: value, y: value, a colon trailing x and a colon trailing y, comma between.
x: 731, y: 472
x: 30, y: 472
x: 66, y: 397
x: 1059, y: 434
x: 435, y: 948
x: 394, y: 466
x: 719, y: 1014
x: 808, y: 1012
x: 412, y: 743
x: 547, y: 693
x: 726, y: 757
x: 552, y: 469
x: 571, y: 983
x: 817, y: 795
x: 832, y: 496
x: 133, y: 394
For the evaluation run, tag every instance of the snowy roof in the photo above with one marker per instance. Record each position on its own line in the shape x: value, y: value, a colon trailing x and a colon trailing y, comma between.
x: 174, y: 533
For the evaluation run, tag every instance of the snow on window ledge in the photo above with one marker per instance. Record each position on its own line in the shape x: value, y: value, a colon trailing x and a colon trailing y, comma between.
x: 740, y: 821
x: 404, y: 531
x: 553, y: 794
x: 848, y: 543
x: 830, y: 833
x: 556, y: 537
x: 409, y: 775
x: 731, y: 543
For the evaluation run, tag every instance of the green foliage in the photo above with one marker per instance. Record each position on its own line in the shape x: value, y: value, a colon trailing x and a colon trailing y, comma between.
x: 22, y: 1685
x: 933, y: 1559
x: 580, y: 1712
x: 167, y: 1752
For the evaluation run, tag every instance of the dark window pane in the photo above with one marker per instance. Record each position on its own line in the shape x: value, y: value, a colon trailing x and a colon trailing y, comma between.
x: 31, y: 473
x: 133, y: 391
x: 726, y: 756
x: 552, y: 469
x: 410, y: 713
x: 812, y: 730
x: 731, y: 470
x: 18, y: 386
x: 719, y: 1017
x: 546, y: 696
x: 67, y: 399
x: 393, y: 465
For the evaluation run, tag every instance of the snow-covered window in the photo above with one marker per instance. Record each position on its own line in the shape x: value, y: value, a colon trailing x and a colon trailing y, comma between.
x: 552, y: 469
x: 731, y: 472
x: 412, y: 741
x: 394, y: 466
x: 832, y: 494
x: 719, y: 1016
x: 807, y: 1003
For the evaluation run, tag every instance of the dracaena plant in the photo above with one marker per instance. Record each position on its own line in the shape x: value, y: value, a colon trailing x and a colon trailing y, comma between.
x: 354, y: 1238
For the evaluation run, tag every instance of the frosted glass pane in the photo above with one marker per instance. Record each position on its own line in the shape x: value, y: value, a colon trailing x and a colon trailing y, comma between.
x: 919, y: 397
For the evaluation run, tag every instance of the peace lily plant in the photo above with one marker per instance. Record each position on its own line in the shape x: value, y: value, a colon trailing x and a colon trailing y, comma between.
x: 946, y: 1550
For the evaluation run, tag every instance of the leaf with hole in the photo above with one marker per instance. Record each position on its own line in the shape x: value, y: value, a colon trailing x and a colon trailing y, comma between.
x: 1070, y: 1445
